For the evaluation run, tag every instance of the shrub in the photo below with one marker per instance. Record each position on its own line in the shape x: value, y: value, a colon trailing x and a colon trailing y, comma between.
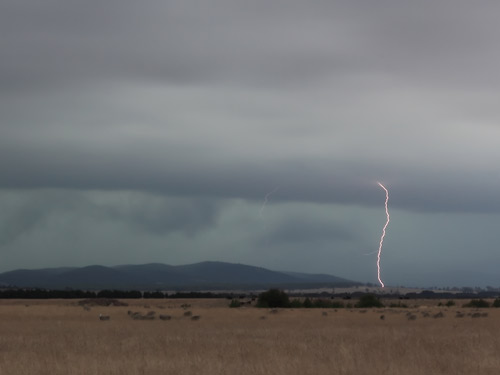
x: 296, y: 304
x: 477, y: 303
x: 369, y: 300
x: 322, y: 303
x: 496, y: 303
x: 235, y: 303
x: 273, y: 298
x: 316, y: 303
x: 307, y: 303
x: 337, y: 305
x: 450, y: 303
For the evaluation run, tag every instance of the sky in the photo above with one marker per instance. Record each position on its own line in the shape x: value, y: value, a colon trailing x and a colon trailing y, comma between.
x: 253, y: 132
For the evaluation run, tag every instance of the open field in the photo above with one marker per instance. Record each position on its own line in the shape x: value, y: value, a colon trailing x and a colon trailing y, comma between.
x: 60, y: 337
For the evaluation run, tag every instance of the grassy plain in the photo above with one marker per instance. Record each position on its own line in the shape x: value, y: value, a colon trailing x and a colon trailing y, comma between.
x: 60, y: 337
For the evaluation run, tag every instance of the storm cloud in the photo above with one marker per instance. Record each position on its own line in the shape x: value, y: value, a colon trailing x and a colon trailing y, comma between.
x: 163, y: 125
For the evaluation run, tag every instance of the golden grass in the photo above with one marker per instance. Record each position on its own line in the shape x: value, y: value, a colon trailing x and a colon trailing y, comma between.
x: 59, y: 337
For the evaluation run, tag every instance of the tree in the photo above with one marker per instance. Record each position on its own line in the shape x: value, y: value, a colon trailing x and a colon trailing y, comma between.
x: 477, y: 303
x: 369, y: 300
x: 273, y: 298
x: 235, y: 303
x: 307, y: 303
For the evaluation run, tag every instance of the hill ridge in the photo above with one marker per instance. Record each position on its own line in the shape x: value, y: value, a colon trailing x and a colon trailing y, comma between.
x: 205, y: 275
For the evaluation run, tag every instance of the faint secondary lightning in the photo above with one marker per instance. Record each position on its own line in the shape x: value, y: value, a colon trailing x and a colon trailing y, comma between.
x: 266, y: 198
x: 383, y: 233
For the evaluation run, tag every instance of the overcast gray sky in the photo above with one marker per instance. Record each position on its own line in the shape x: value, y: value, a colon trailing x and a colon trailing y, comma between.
x: 137, y: 132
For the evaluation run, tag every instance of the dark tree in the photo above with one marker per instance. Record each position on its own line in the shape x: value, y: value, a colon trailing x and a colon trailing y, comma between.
x: 369, y: 300
x: 477, y: 303
x: 273, y: 298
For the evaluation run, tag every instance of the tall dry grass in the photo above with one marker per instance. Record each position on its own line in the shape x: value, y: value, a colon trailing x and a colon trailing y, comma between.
x: 62, y: 338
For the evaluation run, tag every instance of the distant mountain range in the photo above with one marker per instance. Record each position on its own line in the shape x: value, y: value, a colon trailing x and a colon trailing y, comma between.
x: 155, y: 276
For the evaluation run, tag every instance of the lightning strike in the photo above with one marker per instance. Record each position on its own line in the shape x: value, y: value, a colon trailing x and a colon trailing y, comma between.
x: 266, y: 198
x: 383, y: 233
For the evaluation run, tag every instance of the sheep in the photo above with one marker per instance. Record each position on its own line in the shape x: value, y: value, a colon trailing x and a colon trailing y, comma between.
x: 104, y: 317
x: 138, y: 316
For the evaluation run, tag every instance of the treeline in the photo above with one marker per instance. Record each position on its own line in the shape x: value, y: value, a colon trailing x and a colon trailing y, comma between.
x: 481, y: 303
x: 426, y: 294
x: 278, y: 298
x: 317, y: 299
x: 131, y: 294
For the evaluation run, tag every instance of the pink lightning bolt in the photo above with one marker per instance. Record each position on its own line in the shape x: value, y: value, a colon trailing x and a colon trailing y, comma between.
x: 383, y: 234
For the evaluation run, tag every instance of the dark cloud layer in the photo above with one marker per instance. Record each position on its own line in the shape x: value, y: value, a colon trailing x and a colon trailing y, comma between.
x: 187, y: 108
x: 315, y: 181
x: 25, y: 211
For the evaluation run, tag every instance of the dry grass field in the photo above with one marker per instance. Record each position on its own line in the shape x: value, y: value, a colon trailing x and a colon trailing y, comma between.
x: 60, y: 337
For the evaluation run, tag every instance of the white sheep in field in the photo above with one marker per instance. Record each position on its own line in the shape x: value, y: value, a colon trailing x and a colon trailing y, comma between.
x: 103, y: 317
